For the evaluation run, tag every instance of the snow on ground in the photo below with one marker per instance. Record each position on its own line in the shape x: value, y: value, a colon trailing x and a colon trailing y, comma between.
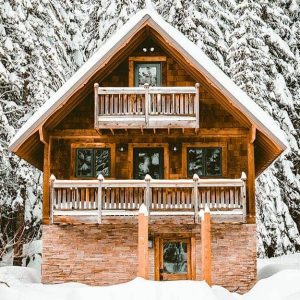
x: 24, y: 283
x: 270, y: 266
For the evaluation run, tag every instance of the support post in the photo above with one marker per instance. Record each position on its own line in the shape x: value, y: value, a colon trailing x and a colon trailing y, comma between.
x: 147, y: 103
x: 99, y: 197
x: 206, y: 245
x: 143, y: 259
x: 196, y: 204
x: 52, y: 197
x: 96, y: 105
x: 148, y: 192
x: 243, y: 195
x: 251, y: 183
x: 197, y: 104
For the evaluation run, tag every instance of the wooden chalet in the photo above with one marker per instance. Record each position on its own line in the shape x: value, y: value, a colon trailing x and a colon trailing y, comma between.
x: 149, y: 154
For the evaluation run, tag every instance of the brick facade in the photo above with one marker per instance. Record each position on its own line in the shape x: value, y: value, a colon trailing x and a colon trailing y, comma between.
x: 107, y: 254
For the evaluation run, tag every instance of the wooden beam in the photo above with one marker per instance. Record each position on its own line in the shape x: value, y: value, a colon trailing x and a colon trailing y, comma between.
x: 46, y: 185
x: 143, y: 258
x: 44, y: 136
x: 251, y: 183
x: 206, y: 245
x: 252, y: 134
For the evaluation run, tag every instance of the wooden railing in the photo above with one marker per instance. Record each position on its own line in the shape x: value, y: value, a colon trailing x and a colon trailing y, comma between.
x: 147, y: 107
x: 171, y: 197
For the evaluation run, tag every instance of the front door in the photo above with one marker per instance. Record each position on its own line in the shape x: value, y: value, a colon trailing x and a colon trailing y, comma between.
x: 173, y: 259
x: 148, y: 161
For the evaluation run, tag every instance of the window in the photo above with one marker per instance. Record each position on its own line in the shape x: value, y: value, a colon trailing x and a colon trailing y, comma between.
x: 148, y: 161
x: 92, y: 162
x: 204, y: 161
x: 147, y: 73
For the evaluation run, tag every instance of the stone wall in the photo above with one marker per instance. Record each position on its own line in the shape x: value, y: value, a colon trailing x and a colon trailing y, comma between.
x: 107, y: 254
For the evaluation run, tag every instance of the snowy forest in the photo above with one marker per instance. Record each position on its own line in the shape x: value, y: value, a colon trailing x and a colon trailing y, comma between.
x: 257, y: 43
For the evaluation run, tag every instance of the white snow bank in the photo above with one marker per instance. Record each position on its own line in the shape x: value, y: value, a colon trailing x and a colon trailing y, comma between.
x: 13, y: 275
x: 281, y: 286
x: 134, y: 290
x: 269, y: 266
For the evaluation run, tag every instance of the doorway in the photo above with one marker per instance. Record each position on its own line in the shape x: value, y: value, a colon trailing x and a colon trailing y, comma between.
x: 174, y: 259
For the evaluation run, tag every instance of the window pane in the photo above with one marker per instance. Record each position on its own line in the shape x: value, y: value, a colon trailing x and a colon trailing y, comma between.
x: 148, y: 161
x: 195, y: 161
x: 213, y: 161
x: 102, y: 162
x: 147, y: 73
x: 84, y: 162
x: 175, y: 257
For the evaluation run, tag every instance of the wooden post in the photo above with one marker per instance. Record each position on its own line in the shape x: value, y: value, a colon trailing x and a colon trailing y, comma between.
x: 148, y: 192
x: 46, y: 185
x: 251, y: 182
x: 147, y: 103
x: 96, y: 105
x: 99, y: 197
x: 52, y: 197
x: 143, y: 259
x: 243, y: 195
x: 196, y: 204
x: 206, y: 245
x: 197, y: 105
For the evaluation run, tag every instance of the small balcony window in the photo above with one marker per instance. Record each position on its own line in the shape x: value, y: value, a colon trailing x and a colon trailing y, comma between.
x: 204, y: 162
x: 92, y: 162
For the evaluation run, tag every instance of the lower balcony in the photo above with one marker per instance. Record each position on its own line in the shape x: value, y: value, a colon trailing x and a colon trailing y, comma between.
x: 94, y: 200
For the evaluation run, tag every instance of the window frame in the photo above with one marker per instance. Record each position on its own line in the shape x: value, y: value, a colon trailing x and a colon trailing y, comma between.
x: 133, y: 60
x: 94, y: 147
x: 223, y: 166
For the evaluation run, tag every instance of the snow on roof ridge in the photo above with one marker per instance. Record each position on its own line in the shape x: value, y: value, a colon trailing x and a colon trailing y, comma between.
x: 199, y: 58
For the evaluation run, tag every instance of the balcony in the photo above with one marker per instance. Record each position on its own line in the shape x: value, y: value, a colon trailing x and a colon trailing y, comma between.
x: 146, y: 107
x: 186, y: 197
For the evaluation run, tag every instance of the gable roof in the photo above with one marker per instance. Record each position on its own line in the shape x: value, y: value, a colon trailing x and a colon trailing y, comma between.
x: 258, y: 117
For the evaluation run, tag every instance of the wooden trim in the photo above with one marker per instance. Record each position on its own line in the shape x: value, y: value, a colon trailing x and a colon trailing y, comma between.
x: 252, y: 134
x: 165, y: 146
x: 222, y: 145
x: 133, y: 59
x: 92, y: 133
x: 112, y: 147
x: 46, y: 184
x: 156, y: 258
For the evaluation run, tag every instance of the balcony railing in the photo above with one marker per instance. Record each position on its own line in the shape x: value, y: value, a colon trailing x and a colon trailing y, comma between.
x: 146, y: 107
x: 162, y: 197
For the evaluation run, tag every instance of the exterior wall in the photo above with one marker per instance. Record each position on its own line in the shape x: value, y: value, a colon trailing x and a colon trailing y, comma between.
x: 107, y: 254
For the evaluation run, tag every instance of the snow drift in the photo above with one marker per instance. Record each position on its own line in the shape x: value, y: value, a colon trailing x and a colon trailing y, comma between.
x: 24, y: 284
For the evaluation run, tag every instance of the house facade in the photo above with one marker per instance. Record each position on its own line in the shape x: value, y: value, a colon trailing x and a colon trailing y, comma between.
x: 149, y: 154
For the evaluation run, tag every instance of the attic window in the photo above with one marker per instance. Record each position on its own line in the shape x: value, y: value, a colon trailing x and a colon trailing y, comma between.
x: 147, y: 69
x: 147, y: 73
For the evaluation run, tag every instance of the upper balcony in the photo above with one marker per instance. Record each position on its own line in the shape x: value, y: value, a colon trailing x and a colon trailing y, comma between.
x: 146, y: 107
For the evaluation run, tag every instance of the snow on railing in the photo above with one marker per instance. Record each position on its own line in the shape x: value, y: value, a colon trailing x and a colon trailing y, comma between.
x: 161, y: 196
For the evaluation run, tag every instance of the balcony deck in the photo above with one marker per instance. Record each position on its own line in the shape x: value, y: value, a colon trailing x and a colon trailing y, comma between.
x: 186, y: 197
x: 146, y: 107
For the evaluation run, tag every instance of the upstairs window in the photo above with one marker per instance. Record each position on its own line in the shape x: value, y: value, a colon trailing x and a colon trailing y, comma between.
x: 90, y: 162
x: 204, y: 161
x: 147, y: 73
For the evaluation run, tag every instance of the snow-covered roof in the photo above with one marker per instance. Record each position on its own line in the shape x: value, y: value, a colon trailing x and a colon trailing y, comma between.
x: 195, y: 55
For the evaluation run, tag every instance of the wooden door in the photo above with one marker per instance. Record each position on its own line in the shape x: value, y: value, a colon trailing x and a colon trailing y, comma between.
x: 173, y: 259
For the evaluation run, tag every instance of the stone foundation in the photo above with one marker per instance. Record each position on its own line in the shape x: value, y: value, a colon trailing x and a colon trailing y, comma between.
x: 107, y: 254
